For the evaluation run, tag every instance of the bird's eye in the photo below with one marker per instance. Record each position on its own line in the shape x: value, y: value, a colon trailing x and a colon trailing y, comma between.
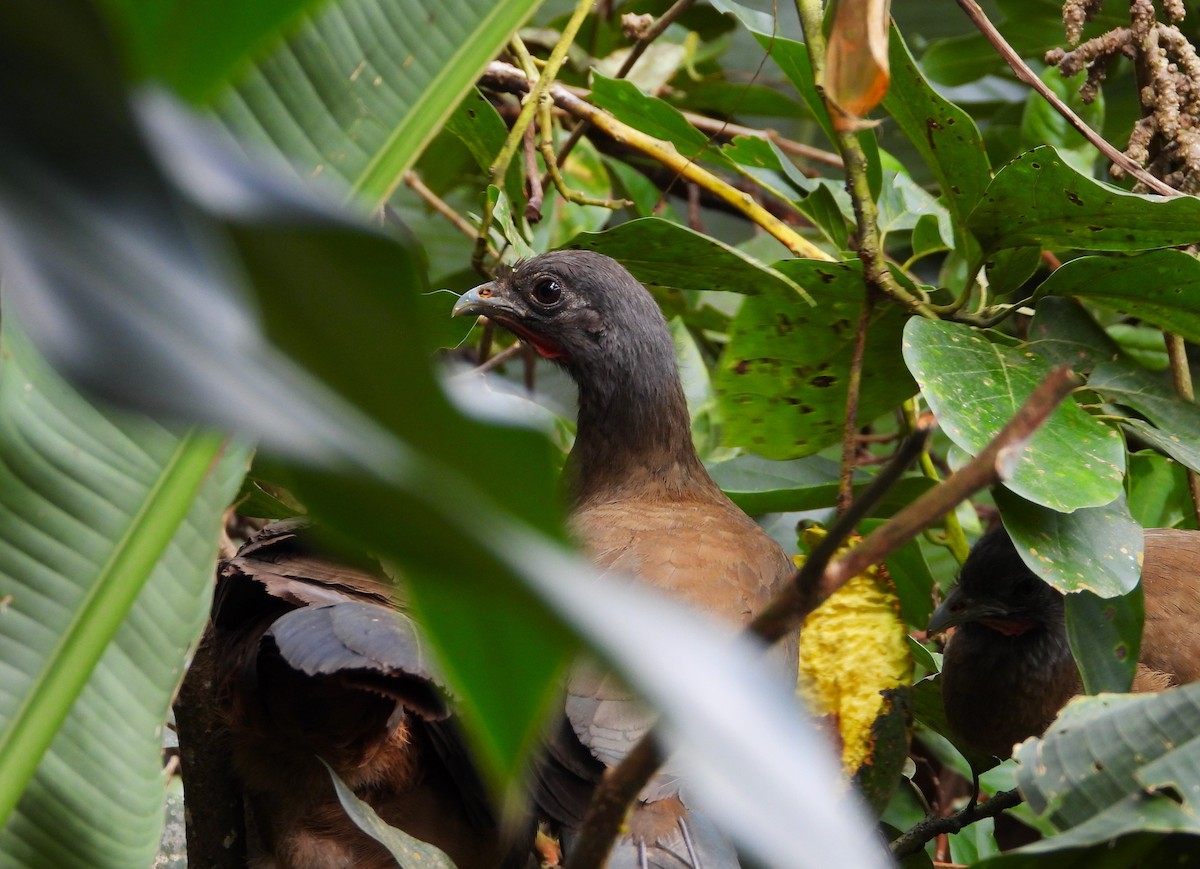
x: 547, y: 291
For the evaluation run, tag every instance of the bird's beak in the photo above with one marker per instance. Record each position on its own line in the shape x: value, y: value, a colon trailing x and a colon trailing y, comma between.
x: 958, y: 609
x: 482, y: 300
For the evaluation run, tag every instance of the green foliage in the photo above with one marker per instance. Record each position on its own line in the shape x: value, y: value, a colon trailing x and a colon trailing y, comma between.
x: 160, y: 269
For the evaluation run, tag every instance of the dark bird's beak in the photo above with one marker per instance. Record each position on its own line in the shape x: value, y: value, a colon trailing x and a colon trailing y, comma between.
x: 481, y: 301
x: 958, y: 609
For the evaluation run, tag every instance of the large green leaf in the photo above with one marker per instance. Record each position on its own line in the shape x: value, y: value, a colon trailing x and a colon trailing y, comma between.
x: 1174, y: 424
x: 1160, y: 287
x: 782, y: 378
x: 663, y: 254
x: 944, y: 135
x: 974, y: 386
x: 759, y: 485
x: 364, y: 85
x: 1095, y: 549
x: 107, y: 549
x: 1084, y: 777
x: 1038, y: 199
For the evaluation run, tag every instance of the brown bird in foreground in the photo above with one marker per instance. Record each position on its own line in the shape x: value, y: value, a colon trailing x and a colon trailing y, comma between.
x: 643, y: 505
x: 1008, y: 670
x: 314, y: 661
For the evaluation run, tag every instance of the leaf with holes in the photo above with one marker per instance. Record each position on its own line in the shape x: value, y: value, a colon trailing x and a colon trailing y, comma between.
x: 1038, y: 199
x: 974, y: 387
x: 781, y: 380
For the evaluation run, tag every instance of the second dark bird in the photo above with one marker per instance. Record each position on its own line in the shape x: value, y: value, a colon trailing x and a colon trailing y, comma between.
x: 1008, y: 669
x: 643, y: 505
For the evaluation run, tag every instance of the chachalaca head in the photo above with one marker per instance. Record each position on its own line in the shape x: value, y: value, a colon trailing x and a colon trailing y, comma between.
x: 1008, y: 668
x: 586, y: 312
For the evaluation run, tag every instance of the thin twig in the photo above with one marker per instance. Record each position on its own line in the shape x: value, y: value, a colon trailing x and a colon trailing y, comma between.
x: 866, y: 213
x: 508, y: 77
x: 1181, y: 375
x: 656, y: 30
x: 438, y: 204
x: 534, y: 192
x: 496, y: 361
x: 499, y: 168
x: 850, y: 425
x: 1029, y: 77
x: 914, y: 839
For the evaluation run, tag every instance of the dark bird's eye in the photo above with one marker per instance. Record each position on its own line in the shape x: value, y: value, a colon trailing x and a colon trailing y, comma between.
x: 547, y: 291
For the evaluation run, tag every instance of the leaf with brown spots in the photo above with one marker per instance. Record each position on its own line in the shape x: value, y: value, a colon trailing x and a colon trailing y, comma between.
x: 781, y: 381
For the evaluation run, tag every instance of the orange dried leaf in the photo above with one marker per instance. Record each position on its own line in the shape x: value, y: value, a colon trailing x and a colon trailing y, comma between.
x: 856, y: 65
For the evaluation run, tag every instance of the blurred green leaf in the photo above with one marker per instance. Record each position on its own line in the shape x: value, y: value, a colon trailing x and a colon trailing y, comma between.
x: 105, y: 573
x: 974, y: 386
x: 197, y: 47
x: 364, y: 85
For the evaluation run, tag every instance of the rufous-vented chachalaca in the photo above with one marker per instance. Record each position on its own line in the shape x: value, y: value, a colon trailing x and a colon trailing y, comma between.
x: 643, y: 505
x: 315, y: 660
x: 1008, y: 670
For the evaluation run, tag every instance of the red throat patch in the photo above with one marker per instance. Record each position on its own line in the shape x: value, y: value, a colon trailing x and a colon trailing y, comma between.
x: 1008, y: 627
x: 545, y: 348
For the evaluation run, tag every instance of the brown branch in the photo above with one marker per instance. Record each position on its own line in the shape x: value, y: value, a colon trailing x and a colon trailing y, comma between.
x: 990, y: 465
x: 912, y: 840
x: 534, y: 191
x: 610, y: 804
x: 413, y: 180
x: 1029, y: 77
